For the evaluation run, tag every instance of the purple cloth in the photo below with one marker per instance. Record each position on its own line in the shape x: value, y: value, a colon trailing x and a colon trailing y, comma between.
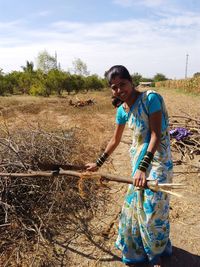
x: 179, y: 133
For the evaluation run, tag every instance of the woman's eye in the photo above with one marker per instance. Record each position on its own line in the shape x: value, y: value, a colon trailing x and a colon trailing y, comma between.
x: 120, y: 85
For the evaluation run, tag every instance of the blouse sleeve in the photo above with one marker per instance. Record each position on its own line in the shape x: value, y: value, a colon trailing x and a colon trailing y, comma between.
x: 154, y: 103
x: 121, y: 116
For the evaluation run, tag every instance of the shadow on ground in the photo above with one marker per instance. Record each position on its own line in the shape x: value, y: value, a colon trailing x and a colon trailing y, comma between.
x: 179, y: 258
x: 93, y: 250
x: 182, y: 258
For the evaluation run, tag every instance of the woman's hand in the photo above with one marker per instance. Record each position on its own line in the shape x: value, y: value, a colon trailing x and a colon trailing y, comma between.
x: 91, y: 167
x: 139, y: 179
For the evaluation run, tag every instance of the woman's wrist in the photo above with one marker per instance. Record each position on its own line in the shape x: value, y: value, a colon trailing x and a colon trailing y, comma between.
x: 100, y: 161
x: 145, y: 162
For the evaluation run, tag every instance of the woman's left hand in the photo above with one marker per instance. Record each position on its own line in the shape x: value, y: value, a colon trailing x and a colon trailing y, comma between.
x: 139, y: 179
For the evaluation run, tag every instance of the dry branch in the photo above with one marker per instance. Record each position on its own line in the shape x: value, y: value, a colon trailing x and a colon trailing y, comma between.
x: 82, y: 103
x: 186, y: 117
x: 95, y: 175
x: 34, y: 211
x: 188, y: 146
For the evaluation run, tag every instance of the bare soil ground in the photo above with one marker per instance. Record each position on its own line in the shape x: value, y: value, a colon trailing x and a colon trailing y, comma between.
x: 94, y: 246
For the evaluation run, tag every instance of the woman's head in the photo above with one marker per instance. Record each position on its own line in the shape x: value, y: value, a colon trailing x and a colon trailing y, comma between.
x: 118, y: 70
x: 120, y: 82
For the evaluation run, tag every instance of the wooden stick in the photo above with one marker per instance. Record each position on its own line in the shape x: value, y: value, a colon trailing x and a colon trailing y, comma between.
x: 69, y: 173
x: 106, y: 176
x: 109, y: 177
x: 31, y: 174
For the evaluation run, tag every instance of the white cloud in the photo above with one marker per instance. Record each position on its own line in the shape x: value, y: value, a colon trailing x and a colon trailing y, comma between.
x: 124, y: 3
x: 143, y: 45
x: 43, y: 13
x: 147, y: 3
x: 153, y: 2
x: 4, y: 26
x: 182, y: 20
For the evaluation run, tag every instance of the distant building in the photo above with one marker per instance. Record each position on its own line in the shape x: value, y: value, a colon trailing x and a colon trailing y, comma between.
x: 145, y: 84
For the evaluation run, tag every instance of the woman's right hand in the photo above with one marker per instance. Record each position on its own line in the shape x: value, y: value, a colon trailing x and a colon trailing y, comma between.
x: 91, y: 167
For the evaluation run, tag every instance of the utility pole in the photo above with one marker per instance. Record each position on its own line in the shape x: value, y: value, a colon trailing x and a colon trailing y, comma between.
x: 186, y: 66
x: 56, y: 59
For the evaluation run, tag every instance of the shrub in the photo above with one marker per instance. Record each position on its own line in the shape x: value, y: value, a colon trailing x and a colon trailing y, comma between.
x: 39, y: 90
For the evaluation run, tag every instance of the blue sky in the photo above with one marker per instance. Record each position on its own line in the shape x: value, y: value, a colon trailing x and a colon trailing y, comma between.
x: 147, y: 36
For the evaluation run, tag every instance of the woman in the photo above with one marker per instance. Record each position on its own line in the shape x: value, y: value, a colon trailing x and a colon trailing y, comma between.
x: 144, y: 224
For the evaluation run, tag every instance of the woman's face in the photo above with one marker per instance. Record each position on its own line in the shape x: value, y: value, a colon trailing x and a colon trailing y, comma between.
x: 121, y: 88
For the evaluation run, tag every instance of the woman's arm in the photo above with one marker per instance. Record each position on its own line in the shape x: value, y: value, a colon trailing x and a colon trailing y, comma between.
x: 155, y: 122
x: 113, y: 143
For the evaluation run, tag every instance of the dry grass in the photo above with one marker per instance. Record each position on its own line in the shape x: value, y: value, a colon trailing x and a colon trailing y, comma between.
x: 35, y: 211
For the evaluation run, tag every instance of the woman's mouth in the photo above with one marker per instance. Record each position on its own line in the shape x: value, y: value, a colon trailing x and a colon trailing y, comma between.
x: 122, y: 95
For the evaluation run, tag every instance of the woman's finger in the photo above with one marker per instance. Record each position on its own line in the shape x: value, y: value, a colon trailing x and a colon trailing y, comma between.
x: 144, y: 182
x: 139, y: 182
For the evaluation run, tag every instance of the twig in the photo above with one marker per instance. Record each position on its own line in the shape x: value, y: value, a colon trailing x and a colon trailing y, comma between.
x: 5, y: 224
x: 185, y: 117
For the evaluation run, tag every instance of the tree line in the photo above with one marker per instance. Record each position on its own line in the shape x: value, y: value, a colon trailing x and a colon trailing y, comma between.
x: 48, y: 78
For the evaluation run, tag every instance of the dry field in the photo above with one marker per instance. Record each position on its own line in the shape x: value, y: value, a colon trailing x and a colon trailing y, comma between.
x: 67, y: 229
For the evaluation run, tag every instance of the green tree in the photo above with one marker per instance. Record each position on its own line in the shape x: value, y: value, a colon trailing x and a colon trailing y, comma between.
x: 2, y: 83
x: 75, y: 83
x: 12, y: 82
x: 197, y: 74
x: 6, y: 83
x: 26, y: 78
x: 39, y: 85
x: 29, y: 67
x: 68, y: 84
x: 46, y: 62
x: 25, y: 82
x: 93, y: 82
x: 56, y: 81
x: 159, y: 77
x: 136, y: 77
x: 79, y: 67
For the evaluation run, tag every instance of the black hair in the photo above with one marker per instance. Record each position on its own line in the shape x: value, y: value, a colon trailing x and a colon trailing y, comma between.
x: 117, y: 70
x: 116, y: 102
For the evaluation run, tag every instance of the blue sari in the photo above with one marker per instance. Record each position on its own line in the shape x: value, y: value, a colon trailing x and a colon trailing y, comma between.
x: 144, y: 221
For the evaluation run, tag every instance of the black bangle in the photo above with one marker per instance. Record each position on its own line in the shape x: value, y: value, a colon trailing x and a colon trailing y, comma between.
x: 142, y: 168
x: 100, y: 161
x: 149, y: 155
x: 145, y: 162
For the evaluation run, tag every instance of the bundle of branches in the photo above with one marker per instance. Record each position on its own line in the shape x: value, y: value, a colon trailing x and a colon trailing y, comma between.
x: 81, y: 103
x: 185, y: 136
x: 34, y: 210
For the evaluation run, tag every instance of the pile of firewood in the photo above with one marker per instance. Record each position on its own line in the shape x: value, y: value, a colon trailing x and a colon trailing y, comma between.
x: 185, y: 136
x: 82, y: 103
x: 34, y: 210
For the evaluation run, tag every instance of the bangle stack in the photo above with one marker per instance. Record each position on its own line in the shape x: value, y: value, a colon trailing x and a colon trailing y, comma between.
x: 100, y: 161
x: 144, y: 164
